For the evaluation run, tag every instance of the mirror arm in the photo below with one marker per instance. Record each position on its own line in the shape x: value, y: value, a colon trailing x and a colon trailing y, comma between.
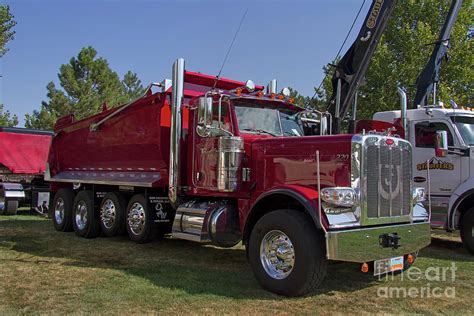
x: 460, y: 151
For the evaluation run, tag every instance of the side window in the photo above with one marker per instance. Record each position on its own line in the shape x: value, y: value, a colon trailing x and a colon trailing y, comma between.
x: 425, y: 134
x: 226, y: 121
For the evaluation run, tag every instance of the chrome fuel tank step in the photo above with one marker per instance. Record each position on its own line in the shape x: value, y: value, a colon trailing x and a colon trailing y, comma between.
x: 207, y: 222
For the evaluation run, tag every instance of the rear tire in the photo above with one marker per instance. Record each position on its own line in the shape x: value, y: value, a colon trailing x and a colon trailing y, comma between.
x: 11, y: 207
x: 61, y: 212
x: 287, y: 253
x: 467, y: 230
x: 112, y: 214
x: 86, y: 221
x: 139, y: 220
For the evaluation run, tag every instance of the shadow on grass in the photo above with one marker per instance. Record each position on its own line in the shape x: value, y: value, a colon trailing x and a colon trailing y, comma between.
x: 444, y: 249
x: 175, y: 264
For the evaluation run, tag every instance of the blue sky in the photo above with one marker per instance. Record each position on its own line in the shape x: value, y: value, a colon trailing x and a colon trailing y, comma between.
x: 287, y: 40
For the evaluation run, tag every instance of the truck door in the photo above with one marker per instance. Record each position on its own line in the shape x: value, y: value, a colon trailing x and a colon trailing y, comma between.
x: 445, y: 172
x: 206, y: 148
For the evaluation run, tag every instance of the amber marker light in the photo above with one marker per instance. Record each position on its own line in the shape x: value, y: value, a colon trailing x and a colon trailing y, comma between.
x: 259, y: 94
x: 272, y: 96
x: 365, y: 267
x: 410, y: 259
x: 238, y: 92
x: 281, y: 97
x: 291, y: 100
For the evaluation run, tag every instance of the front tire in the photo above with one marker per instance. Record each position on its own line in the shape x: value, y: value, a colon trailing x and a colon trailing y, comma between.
x: 86, y: 221
x: 61, y: 211
x: 112, y: 214
x: 139, y: 222
x: 467, y: 230
x: 287, y: 253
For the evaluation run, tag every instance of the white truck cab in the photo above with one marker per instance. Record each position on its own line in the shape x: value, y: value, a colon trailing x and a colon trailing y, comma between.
x: 452, y: 176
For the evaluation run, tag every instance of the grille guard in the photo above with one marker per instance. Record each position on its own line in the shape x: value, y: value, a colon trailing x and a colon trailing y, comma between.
x: 397, y: 206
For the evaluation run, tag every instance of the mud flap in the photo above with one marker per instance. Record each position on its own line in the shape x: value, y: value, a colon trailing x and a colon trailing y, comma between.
x: 163, y: 212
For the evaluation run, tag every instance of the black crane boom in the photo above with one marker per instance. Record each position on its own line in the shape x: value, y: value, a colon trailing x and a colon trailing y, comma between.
x: 429, y: 76
x: 350, y: 70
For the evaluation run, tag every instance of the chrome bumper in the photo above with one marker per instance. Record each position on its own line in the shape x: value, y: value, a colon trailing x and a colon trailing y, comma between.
x: 363, y: 245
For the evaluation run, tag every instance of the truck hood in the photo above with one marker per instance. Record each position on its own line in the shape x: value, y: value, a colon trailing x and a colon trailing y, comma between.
x: 292, y: 160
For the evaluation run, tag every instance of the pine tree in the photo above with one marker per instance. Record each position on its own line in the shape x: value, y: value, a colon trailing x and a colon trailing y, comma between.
x: 87, y: 82
x: 6, y: 28
x: 6, y: 119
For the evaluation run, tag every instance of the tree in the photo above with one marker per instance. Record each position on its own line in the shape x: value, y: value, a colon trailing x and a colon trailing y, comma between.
x: 404, y: 50
x: 6, y: 119
x: 132, y: 85
x: 6, y: 25
x: 406, y: 47
x: 87, y: 82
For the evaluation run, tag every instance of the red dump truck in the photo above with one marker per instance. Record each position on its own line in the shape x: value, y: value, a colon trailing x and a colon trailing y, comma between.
x: 23, y: 158
x: 220, y: 161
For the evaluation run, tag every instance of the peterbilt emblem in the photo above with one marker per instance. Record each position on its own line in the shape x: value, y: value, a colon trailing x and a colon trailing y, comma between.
x: 374, y: 14
x: 386, y: 190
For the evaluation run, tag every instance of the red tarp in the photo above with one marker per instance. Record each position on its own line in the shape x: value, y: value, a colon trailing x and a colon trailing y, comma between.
x: 24, y: 153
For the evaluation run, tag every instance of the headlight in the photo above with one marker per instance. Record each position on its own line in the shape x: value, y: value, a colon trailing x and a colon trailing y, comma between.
x: 418, y: 195
x: 343, y: 196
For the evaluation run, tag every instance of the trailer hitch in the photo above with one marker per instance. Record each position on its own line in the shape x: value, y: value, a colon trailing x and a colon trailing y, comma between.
x: 389, y: 240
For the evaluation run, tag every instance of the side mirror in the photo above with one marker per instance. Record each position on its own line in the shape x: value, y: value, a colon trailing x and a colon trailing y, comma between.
x: 441, y: 144
x: 204, y: 120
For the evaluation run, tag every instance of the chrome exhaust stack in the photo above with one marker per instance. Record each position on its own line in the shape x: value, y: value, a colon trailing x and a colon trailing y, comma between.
x: 403, y: 110
x: 272, y: 87
x: 175, y: 133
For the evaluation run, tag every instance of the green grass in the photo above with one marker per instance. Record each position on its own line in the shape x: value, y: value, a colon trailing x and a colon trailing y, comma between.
x: 44, y: 271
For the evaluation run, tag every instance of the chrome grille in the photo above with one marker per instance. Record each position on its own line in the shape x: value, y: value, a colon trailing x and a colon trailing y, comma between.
x: 385, y: 177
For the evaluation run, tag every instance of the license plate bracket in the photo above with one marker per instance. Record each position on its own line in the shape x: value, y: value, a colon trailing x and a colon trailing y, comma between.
x: 388, y: 265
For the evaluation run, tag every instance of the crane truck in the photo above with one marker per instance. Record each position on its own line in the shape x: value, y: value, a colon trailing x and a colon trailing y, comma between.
x: 450, y: 131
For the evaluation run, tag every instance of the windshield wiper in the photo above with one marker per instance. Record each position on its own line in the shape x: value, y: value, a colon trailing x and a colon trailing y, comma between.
x: 261, y: 131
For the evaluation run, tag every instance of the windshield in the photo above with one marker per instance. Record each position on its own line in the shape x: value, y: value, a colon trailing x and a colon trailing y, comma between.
x: 465, y: 125
x: 258, y: 120
x: 291, y: 125
x: 262, y: 120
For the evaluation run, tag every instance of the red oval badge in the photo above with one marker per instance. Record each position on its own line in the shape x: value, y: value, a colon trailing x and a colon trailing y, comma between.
x: 389, y: 141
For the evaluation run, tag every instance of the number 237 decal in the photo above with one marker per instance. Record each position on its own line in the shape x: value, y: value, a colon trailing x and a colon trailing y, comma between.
x: 342, y: 157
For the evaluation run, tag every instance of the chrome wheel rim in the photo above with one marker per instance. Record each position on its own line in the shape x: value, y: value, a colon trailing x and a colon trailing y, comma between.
x: 136, y: 218
x: 81, y: 215
x: 277, y: 254
x: 108, y: 213
x: 59, y: 211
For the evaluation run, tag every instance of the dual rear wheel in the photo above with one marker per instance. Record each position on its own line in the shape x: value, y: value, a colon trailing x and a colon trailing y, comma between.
x: 114, y: 217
